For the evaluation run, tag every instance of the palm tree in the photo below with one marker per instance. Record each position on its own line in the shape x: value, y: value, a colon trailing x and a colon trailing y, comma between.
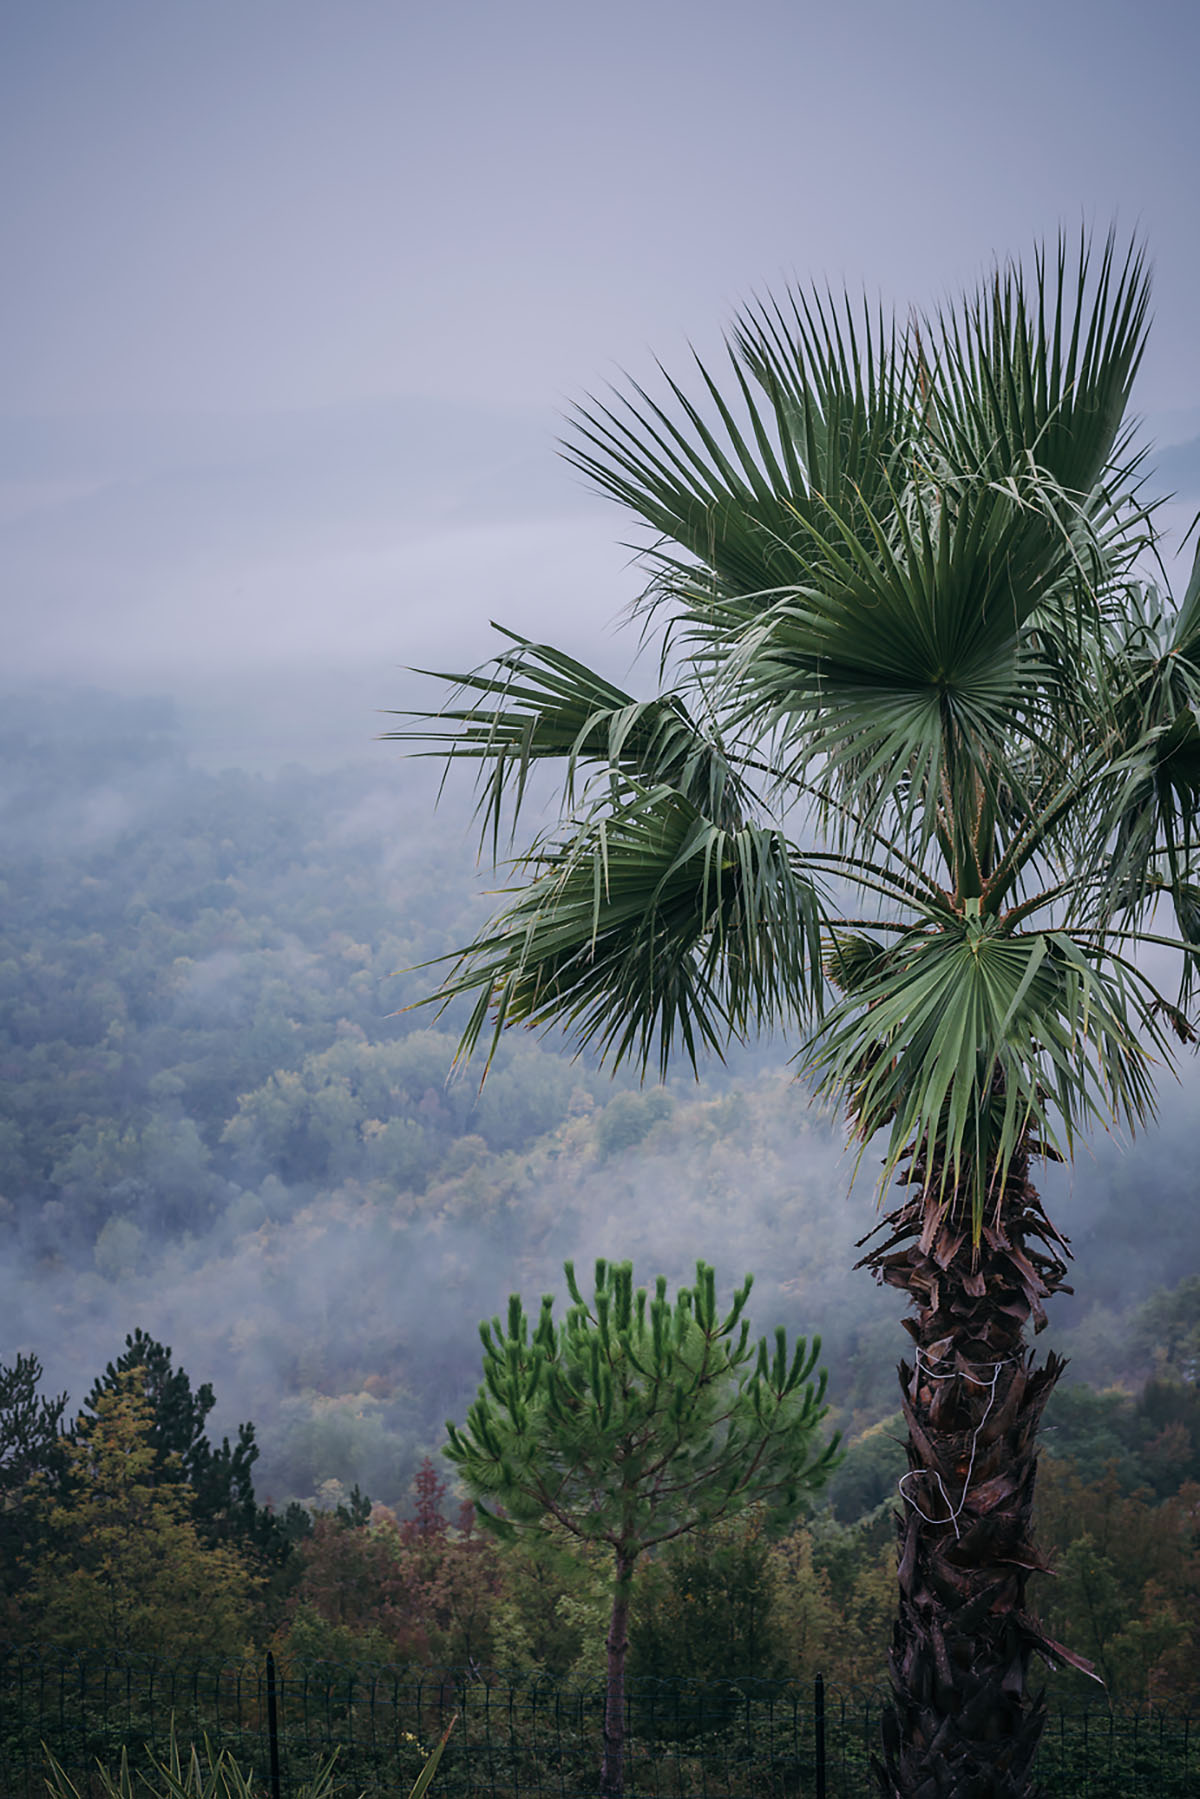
x: 920, y: 782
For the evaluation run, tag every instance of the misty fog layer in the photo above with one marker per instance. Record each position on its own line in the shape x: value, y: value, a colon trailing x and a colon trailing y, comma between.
x: 219, y: 1123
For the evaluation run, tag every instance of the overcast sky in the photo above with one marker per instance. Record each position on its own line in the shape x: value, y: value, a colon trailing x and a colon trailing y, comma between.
x: 295, y: 293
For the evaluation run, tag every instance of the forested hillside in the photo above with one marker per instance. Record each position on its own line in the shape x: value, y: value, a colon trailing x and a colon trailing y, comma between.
x: 218, y: 1123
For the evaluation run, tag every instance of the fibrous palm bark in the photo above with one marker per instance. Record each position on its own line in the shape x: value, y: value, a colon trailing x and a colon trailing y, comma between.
x: 963, y: 1722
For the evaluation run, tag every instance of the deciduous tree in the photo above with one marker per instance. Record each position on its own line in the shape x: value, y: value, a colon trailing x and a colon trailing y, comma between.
x: 424, y: 1586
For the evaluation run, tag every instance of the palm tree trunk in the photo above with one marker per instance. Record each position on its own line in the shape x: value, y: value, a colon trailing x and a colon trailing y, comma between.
x: 612, y: 1769
x: 963, y: 1723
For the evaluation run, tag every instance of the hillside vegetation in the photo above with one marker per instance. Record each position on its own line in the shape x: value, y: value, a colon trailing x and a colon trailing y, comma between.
x: 219, y: 1123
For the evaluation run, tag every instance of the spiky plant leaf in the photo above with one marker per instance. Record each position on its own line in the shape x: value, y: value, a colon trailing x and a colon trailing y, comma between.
x: 650, y: 926
x: 543, y: 706
x: 964, y: 1042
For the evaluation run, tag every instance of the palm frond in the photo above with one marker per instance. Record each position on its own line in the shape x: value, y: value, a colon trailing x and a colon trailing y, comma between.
x: 891, y: 549
x: 1039, y: 375
x: 821, y: 406
x: 1141, y: 838
x: 846, y: 392
x: 544, y: 706
x: 647, y: 926
x: 913, y: 669
x: 961, y: 1043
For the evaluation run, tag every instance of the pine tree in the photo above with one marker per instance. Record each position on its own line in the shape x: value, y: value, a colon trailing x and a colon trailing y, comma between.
x: 221, y: 1478
x: 634, y: 1422
x: 31, y: 1444
x: 128, y: 1567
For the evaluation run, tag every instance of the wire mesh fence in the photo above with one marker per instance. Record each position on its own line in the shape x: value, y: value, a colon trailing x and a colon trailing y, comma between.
x: 526, y: 1737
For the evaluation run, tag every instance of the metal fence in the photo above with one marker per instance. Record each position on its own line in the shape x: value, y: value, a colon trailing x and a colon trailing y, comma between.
x: 517, y: 1737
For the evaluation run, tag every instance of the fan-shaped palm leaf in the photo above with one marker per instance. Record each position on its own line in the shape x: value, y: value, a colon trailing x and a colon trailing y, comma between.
x: 650, y: 925
x: 547, y: 707
x: 964, y: 1042
x: 1040, y: 375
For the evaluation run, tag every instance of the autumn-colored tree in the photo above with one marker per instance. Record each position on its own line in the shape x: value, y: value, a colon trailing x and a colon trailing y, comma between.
x: 220, y: 1478
x: 1127, y: 1584
x: 126, y: 1567
x: 350, y: 1575
x: 422, y: 1588
x: 451, y: 1569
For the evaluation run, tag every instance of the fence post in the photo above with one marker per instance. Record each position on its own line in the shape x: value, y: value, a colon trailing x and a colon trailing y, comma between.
x: 819, y: 1731
x: 272, y: 1726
